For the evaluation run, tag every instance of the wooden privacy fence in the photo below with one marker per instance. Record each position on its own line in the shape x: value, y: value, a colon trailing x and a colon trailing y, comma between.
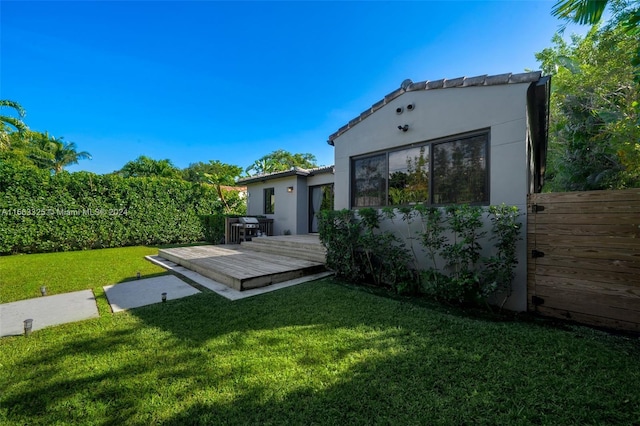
x: 584, y: 257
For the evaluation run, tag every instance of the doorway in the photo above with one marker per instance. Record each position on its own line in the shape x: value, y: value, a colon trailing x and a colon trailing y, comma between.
x: 320, y: 198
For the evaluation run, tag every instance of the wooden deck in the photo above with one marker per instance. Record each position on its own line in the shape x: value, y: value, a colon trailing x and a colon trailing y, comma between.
x: 240, y: 268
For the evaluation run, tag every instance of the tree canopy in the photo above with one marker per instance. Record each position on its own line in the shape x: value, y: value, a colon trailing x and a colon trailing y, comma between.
x: 21, y: 145
x: 595, y: 124
x: 281, y: 160
x: 144, y: 166
x: 217, y: 174
x: 10, y: 123
x: 590, y: 12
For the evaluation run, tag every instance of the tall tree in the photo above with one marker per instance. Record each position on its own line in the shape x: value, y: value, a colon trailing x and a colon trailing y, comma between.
x: 214, y: 173
x: 66, y: 154
x: 52, y: 153
x: 595, y: 121
x: 590, y: 12
x: 281, y: 160
x: 144, y: 166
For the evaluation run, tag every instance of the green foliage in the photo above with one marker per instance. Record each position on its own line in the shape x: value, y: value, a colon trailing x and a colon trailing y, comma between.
x: 217, y: 174
x: 594, y: 113
x: 22, y: 276
x: 580, y: 11
x: 9, y: 123
x: 320, y: 353
x: 281, y: 160
x: 51, y: 153
x: 144, y: 166
x: 359, y: 251
x: 213, y: 226
x: 386, y: 258
x: 590, y: 12
x: 339, y: 232
x: 505, y: 232
x: 40, y: 212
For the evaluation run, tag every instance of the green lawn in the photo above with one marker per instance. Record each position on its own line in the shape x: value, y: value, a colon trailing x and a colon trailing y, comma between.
x: 22, y: 275
x: 317, y: 353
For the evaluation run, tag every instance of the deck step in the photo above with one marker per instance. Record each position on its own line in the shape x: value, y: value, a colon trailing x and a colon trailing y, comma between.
x: 240, y: 268
x: 306, y: 247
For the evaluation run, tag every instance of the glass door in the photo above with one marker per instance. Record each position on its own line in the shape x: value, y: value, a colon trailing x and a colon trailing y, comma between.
x: 320, y: 198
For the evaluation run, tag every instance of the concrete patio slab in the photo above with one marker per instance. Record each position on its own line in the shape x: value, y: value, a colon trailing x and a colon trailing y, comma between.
x: 133, y: 294
x: 226, y: 291
x: 47, y: 311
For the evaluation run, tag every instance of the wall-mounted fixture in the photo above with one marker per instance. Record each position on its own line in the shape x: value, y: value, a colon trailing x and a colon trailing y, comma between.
x: 404, y: 128
x: 399, y: 110
x: 289, y: 188
x: 411, y: 106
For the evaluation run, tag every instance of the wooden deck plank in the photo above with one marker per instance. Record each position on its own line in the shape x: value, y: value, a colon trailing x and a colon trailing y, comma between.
x: 239, y: 268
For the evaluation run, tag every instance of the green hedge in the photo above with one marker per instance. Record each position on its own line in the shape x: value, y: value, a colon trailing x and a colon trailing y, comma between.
x: 40, y: 212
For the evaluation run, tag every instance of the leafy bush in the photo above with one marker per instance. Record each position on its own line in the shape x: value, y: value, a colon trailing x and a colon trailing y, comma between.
x: 358, y: 251
x: 40, y: 212
x: 340, y: 232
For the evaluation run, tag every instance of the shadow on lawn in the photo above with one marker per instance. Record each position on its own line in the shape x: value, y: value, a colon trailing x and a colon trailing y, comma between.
x: 192, y: 361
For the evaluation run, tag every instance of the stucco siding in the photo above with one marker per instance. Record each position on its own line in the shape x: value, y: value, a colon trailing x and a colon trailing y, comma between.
x: 439, y: 114
x: 284, y: 216
x: 449, y: 112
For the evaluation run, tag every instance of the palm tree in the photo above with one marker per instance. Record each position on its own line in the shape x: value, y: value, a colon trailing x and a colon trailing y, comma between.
x: 590, y: 12
x: 65, y: 154
x: 8, y: 122
x: 49, y: 152
x: 580, y: 11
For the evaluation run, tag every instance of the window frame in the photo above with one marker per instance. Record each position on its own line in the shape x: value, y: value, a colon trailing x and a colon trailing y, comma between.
x: 429, y: 144
x: 269, y: 200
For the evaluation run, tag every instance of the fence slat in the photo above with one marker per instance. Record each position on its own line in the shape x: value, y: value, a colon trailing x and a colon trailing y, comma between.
x: 590, y: 270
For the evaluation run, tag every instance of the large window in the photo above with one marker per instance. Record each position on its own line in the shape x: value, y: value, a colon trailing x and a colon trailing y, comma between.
x: 269, y: 201
x: 442, y: 172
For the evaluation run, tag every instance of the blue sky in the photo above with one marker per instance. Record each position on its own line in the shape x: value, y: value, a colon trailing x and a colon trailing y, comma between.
x: 200, y: 81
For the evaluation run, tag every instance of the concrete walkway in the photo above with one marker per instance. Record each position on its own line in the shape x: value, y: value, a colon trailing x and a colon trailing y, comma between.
x: 133, y: 294
x: 46, y: 311
x: 80, y: 305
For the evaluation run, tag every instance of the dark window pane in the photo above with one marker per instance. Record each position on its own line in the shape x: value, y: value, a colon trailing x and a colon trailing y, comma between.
x: 409, y: 176
x: 269, y: 201
x: 460, y: 171
x: 369, y: 181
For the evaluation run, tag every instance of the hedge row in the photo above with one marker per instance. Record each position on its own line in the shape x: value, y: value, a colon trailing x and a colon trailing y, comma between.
x: 40, y: 212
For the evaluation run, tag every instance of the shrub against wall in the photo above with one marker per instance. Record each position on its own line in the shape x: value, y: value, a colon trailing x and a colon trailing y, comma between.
x: 40, y: 212
x: 451, y: 245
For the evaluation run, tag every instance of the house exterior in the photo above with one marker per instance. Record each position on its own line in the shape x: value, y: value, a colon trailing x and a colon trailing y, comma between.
x: 291, y: 198
x: 479, y: 140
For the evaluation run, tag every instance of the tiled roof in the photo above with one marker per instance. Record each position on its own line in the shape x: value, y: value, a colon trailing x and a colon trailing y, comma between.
x: 291, y: 172
x: 409, y: 86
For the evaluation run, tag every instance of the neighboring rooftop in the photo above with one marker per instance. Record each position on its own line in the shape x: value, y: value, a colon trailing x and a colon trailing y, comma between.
x: 409, y: 86
x: 294, y: 171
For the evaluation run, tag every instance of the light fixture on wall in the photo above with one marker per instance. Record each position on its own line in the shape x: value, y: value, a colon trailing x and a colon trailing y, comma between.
x: 289, y: 188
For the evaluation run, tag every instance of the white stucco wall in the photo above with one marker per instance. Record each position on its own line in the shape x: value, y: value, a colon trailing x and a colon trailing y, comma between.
x: 447, y: 112
x: 291, y: 208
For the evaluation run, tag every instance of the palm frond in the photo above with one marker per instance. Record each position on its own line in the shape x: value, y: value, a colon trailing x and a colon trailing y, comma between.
x: 580, y: 11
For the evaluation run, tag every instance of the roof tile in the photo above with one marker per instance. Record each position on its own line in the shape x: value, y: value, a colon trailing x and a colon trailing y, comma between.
x: 497, y: 79
x: 481, y: 80
x: 421, y: 85
x: 436, y: 84
x: 391, y: 96
x: 474, y: 81
x: 454, y: 82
